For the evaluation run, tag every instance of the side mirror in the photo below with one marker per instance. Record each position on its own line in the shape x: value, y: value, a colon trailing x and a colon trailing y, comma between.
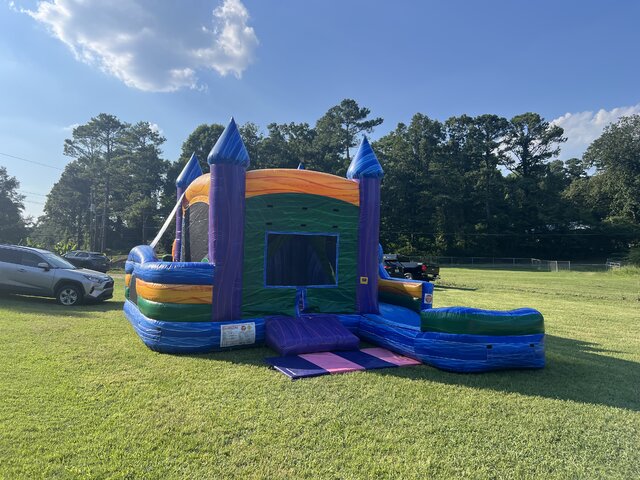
x: 44, y: 266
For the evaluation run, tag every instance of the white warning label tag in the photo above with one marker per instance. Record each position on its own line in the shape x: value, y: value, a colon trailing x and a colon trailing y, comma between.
x: 237, y: 334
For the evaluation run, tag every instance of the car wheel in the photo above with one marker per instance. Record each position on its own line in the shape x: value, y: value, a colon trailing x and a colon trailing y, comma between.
x: 408, y: 276
x: 69, y: 295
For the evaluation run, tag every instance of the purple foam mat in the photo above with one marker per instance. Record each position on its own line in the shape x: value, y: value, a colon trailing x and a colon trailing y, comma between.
x: 323, y: 363
x: 308, y: 334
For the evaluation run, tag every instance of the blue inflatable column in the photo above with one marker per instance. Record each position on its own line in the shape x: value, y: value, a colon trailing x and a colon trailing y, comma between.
x: 229, y: 160
x: 366, y: 170
x: 189, y: 173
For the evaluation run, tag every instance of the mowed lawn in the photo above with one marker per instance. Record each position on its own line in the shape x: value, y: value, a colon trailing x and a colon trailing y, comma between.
x: 81, y: 397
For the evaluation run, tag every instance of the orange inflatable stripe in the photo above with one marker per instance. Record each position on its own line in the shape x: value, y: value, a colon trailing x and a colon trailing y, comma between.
x: 280, y: 180
x: 196, y: 199
x: 160, y: 292
x: 198, y: 188
x: 400, y: 288
x: 174, y: 247
x: 127, y: 279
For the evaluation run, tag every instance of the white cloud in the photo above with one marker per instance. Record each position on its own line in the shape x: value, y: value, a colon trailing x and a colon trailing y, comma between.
x: 582, y: 128
x: 150, y: 45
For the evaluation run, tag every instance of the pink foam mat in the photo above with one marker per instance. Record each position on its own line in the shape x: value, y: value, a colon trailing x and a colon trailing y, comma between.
x: 388, y: 356
x: 331, y: 362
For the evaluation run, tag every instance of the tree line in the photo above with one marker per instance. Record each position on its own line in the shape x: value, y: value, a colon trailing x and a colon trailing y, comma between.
x: 468, y: 186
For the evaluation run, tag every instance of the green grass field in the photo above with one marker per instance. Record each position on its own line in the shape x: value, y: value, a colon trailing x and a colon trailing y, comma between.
x: 81, y: 397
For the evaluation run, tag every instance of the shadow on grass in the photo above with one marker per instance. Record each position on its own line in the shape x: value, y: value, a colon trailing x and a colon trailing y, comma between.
x: 41, y: 305
x: 448, y: 287
x: 246, y: 356
x: 576, y: 371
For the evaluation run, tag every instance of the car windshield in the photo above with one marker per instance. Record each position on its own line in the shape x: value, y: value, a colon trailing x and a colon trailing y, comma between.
x: 56, y: 261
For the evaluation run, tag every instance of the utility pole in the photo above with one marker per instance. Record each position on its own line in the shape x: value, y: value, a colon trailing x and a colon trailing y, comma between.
x: 92, y: 223
x: 105, y: 206
x: 144, y: 228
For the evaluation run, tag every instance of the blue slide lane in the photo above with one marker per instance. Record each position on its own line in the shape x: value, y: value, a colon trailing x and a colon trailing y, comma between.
x: 480, y: 353
x: 398, y: 329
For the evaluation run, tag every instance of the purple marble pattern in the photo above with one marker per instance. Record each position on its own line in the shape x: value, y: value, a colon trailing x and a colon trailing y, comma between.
x: 226, y: 239
x: 308, y: 334
x: 368, y: 240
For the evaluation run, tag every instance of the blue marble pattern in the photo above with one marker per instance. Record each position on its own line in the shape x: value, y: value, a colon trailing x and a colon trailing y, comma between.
x: 229, y: 149
x: 365, y: 164
x: 189, y: 173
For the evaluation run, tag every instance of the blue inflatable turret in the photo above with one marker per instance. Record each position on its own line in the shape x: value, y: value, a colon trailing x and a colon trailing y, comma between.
x: 189, y: 173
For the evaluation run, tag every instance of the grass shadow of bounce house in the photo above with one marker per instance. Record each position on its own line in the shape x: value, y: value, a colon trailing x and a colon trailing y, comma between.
x: 291, y: 258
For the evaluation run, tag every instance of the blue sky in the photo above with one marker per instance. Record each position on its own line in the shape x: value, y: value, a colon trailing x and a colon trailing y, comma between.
x: 178, y: 64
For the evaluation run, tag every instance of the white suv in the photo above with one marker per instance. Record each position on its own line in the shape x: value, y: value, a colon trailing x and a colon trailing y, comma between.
x: 33, y: 271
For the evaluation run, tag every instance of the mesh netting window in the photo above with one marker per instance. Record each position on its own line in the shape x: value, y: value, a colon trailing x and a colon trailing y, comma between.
x: 195, y: 230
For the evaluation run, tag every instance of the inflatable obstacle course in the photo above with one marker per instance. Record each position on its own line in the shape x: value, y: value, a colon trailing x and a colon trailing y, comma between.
x: 291, y: 258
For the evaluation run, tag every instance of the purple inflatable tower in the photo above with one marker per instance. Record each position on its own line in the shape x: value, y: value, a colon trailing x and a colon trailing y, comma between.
x: 366, y: 170
x: 229, y: 160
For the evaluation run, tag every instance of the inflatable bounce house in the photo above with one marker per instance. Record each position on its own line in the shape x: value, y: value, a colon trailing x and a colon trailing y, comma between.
x: 290, y: 258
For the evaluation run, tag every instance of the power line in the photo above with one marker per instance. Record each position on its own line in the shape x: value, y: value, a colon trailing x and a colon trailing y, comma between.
x: 33, y: 193
x: 32, y: 201
x: 30, y: 161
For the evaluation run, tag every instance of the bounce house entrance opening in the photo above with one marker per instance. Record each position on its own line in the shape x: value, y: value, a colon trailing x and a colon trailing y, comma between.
x: 296, y: 260
x: 301, y: 261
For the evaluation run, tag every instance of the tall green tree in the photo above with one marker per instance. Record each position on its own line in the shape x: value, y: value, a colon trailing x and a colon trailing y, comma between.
x: 528, y: 146
x: 446, y: 193
x: 199, y: 142
x: 413, y: 159
x: 95, y: 145
x: 337, y: 131
x: 529, y: 143
x: 68, y: 212
x: 136, y: 197
x: 108, y: 195
x: 485, y: 137
x: 286, y: 146
x: 12, y: 225
x: 616, y: 157
x: 606, y: 204
x: 252, y: 138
